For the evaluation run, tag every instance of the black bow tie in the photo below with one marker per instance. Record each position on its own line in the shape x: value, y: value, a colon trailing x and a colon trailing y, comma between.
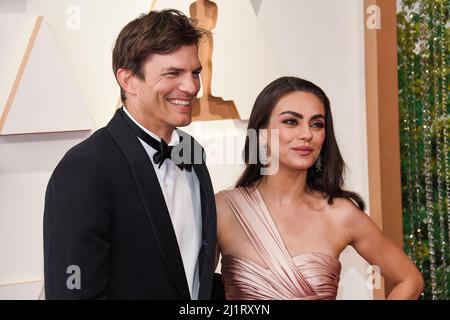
x: 163, y: 151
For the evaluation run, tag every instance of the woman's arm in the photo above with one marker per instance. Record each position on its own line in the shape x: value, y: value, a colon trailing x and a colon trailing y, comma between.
x: 380, y: 251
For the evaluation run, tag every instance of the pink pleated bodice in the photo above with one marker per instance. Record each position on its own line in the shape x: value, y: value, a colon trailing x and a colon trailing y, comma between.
x: 308, y: 276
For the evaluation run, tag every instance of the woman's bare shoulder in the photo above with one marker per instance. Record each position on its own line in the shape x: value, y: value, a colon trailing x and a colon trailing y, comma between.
x: 226, y: 219
x: 222, y: 205
x: 347, y: 214
x: 221, y: 201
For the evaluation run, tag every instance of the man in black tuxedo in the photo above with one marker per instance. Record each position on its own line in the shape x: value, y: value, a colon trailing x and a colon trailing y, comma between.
x: 130, y: 212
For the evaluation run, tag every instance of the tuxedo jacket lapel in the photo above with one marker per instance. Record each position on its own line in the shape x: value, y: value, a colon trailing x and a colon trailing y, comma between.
x: 208, y: 247
x: 205, y: 200
x: 200, y: 170
x: 152, y: 199
x: 206, y: 190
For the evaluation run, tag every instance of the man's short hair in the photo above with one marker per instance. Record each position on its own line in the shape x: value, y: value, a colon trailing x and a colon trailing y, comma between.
x: 160, y: 32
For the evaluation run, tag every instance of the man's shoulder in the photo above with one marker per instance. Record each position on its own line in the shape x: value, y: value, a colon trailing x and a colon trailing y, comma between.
x: 97, y: 149
x: 91, y: 143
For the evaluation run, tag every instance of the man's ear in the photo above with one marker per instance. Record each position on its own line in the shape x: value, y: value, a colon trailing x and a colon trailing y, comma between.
x: 127, y: 81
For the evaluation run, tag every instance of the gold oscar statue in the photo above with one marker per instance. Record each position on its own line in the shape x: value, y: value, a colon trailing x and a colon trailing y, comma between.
x: 208, y: 107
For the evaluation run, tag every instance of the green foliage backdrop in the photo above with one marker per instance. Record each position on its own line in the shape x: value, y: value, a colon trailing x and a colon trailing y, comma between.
x: 423, y: 56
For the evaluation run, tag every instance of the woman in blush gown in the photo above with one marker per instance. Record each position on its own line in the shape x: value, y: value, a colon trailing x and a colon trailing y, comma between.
x: 282, y: 228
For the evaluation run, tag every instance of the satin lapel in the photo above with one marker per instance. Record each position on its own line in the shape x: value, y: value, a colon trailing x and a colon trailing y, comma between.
x: 206, y: 190
x: 207, y: 251
x: 206, y: 256
x: 152, y: 200
x: 203, y: 179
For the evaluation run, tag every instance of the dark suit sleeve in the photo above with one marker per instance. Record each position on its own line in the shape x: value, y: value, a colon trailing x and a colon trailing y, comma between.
x: 77, y: 231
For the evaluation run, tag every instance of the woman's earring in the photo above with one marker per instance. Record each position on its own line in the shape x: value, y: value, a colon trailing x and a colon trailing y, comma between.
x: 263, y: 159
x: 319, y: 164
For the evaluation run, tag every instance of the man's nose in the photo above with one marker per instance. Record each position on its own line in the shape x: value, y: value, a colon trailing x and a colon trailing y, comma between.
x: 190, y: 85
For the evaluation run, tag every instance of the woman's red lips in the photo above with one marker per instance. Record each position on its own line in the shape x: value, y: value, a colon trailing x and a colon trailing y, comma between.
x: 303, y: 150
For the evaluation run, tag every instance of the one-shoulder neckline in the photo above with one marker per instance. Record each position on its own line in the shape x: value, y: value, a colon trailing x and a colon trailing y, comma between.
x: 269, y: 214
x: 311, y: 253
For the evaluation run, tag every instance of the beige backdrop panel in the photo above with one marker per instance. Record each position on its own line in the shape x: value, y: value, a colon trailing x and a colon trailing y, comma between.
x: 45, y: 99
x: 15, y: 30
x: 26, y: 164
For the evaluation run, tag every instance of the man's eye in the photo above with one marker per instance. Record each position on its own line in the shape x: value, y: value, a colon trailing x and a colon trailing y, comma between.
x: 196, y: 74
x: 172, y: 74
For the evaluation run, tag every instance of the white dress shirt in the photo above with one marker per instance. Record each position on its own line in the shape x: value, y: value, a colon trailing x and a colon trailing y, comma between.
x: 181, y: 190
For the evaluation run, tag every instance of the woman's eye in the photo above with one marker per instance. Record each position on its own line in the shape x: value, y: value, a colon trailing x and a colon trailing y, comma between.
x: 319, y: 125
x: 291, y: 122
